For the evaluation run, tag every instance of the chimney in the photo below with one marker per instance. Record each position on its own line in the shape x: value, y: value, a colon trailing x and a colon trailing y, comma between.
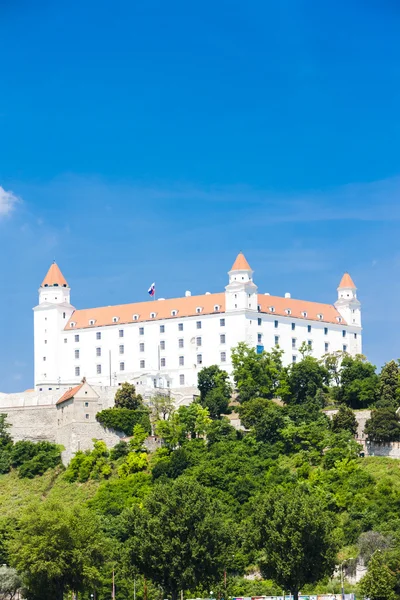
x: 188, y: 293
x: 287, y: 295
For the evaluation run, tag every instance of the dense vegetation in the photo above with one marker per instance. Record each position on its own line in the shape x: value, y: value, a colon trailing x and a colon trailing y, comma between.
x: 288, y: 498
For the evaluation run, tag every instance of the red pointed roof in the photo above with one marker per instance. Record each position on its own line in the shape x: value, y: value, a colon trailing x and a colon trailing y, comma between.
x: 54, y: 277
x: 241, y: 263
x: 70, y: 393
x: 346, y: 282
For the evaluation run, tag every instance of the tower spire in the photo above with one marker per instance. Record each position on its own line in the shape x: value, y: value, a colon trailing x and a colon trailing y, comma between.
x: 54, y: 277
x: 241, y: 263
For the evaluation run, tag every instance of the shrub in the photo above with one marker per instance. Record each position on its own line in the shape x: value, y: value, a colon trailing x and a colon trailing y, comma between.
x: 124, y: 419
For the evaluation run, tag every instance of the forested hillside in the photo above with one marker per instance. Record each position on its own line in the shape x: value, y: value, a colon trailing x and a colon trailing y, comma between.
x: 289, y: 499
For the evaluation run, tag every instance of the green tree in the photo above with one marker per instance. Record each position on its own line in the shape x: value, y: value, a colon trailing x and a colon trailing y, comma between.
x: 194, y: 419
x: 258, y: 375
x: 124, y: 419
x: 295, y: 534
x: 264, y: 417
x: 383, y: 426
x: 344, y: 420
x: 370, y: 542
x: 5, y: 444
x: 91, y: 464
x: 379, y: 582
x: 10, y: 583
x: 57, y: 549
x: 162, y: 406
x: 359, y: 382
x: 389, y: 385
x: 126, y: 397
x: 215, y: 390
x: 305, y: 379
x: 179, y: 538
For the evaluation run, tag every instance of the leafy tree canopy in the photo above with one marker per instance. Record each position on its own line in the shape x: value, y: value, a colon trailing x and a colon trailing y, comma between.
x: 126, y: 397
x: 389, y: 385
x: 264, y: 417
x: 383, y: 426
x: 344, y: 420
x: 304, y: 380
x: 379, y: 582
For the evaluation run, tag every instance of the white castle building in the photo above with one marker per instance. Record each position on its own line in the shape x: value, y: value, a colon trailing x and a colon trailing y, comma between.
x: 164, y: 343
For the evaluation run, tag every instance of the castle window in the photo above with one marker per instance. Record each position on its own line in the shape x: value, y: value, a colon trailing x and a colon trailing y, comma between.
x: 326, y: 347
x: 223, y: 356
x: 199, y: 309
x: 86, y: 404
x: 181, y: 361
x: 162, y: 345
x: 339, y: 319
x: 180, y: 343
x: 217, y: 307
x: 344, y: 333
x: 86, y: 416
x: 142, y: 364
x: 222, y: 322
x: 141, y: 347
x: 141, y: 330
x: 72, y: 324
x: 309, y: 344
x: 276, y: 340
x: 135, y: 317
x: 259, y: 322
x: 163, y: 362
x: 276, y: 323
x: 294, y: 359
x: 76, y: 353
x: 198, y: 341
x: 288, y: 311
x: 77, y: 371
x: 152, y: 315
x: 325, y: 330
x: 293, y: 326
x: 64, y: 315
x: 293, y: 343
x: 272, y: 309
x: 45, y: 341
x: 65, y: 340
x: 121, y: 349
x: 98, y: 351
x: 344, y: 348
x: 222, y: 338
x: 304, y: 314
x: 259, y: 338
x: 122, y: 366
x: 320, y: 317
x: 121, y: 333
x: 355, y: 336
x: 180, y: 326
x: 98, y: 369
x: 199, y: 359
x: 309, y: 328
x: 92, y: 322
x: 77, y: 338
x: 98, y: 335
x: 182, y: 379
x: 174, y: 313
x: 115, y: 319
x: 44, y: 359
x: 198, y: 324
x: 162, y: 328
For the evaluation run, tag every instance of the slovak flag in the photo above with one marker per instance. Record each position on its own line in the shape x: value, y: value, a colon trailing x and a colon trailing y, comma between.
x: 152, y: 289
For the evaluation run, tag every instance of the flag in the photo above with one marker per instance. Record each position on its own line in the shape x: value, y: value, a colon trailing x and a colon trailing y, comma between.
x: 152, y: 289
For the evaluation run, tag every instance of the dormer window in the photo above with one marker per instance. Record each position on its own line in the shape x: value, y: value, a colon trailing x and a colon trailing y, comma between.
x: 115, y: 319
x: 272, y: 308
x: 320, y: 317
x: 339, y: 319
x: 92, y: 322
x: 288, y: 311
x: 217, y: 307
x: 152, y: 315
x: 135, y: 317
x: 199, y: 309
x: 304, y: 314
x: 174, y: 313
x: 72, y: 324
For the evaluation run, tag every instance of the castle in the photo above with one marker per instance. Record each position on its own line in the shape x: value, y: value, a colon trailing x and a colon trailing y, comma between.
x: 164, y: 343
x: 82, y: 355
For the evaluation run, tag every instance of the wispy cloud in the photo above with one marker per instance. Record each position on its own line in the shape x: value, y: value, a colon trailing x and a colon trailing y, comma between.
x: 8, y: 201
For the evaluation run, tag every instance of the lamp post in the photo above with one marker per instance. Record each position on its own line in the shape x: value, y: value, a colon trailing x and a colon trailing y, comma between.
x: 341, y: 575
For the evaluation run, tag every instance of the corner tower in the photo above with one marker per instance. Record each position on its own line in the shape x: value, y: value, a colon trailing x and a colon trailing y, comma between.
x: 241, y: 292
x: 50, y: 317
x: 347, y: 303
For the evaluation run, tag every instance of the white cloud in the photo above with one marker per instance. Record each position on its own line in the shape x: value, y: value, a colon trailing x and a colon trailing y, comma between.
x: 8, y: 200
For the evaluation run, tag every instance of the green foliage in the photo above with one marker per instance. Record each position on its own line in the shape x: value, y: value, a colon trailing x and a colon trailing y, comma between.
x: 264, y: 417
x: 215, y: 390
x: 344, y: 420
x: 178, y: 539
x: 10, y: 582
x: 86, y: 465
x: 389, y: 386
x: 133, y: 463
x: 5, y: 437
x: 379, y: 582
x: 34, y: 458
x: 126, y: 397
x: 258, y: 375
x: 162, y: 406
x: 121, y: 449
x: 220, y: 431
x: 115, y: 495
x: 124, y: 419
x: 359, y: 382
x: 57, y: 549
x: 305, y: 379
x: 383, y: 426
x: 295, y: 534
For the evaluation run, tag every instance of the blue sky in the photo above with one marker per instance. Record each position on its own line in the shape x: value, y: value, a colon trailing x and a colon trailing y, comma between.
x: 153, y: 140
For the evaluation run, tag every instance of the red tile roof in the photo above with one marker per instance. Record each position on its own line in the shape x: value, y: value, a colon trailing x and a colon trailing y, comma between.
x: 187, y: 307
x: 347, y: 282
x: 241, y: 263
x: 70, y: 393
x: 54, y: 277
